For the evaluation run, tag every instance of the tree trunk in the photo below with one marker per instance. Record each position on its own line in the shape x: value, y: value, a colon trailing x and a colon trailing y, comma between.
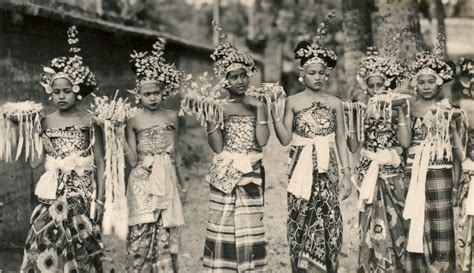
x: 358, y: 35
x: 390, y: 17
x: 437, y: 13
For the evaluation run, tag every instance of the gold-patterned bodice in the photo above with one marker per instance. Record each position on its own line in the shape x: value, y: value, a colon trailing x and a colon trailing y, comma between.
x: 315, y: 120
x: 61, y: 142
x: 155, y: 140
x: 240, y: 134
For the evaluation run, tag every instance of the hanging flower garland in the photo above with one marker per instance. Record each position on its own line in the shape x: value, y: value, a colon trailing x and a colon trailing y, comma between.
x: 113, y: 114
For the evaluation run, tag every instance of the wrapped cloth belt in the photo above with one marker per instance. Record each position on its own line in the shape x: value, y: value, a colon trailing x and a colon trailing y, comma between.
x: 160, y: 165
x: 47, y: 185
x: 302, y: 177
x: 416, y: 199
x: 381, y: 157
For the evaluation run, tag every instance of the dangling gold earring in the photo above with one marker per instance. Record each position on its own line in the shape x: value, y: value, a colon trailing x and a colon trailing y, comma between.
x: 50, y: 98
x: 301, y: 80
x: 137, y: 99
x: 79, y: 97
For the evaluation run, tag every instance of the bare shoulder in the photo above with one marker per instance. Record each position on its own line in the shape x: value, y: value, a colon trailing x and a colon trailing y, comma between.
x: 333, y: 101
x: 49, y: 119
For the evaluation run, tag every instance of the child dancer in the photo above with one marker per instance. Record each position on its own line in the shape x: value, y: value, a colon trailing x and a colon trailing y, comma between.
x: 155, y: 210
x: 313, y: 124
x: 64, y: 235
x: 379, y: 172
x: 235, y: 238
x: 430, y: 167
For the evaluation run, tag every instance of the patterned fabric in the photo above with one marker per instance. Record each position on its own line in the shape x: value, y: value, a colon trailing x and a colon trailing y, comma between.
x: 464, y: 228
x: 381, y: 224
x: 315, y: 225
x: 419, y: 134
x: 438, y: 241
x: 465, y: 223
x: 62, y: 236
x: 240, y: 134
x: 143, y: 206
x: 152, y: 248
x: 235, y: 238
x: 151, y: 245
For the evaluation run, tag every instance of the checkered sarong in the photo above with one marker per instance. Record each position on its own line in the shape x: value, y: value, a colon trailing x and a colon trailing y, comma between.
x: 235, y: 239
x: 438, y: 240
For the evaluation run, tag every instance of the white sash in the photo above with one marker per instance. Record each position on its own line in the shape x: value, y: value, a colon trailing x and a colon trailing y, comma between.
x: 302, y: 177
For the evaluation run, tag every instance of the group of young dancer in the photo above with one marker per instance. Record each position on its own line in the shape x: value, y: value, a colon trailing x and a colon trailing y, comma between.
x: 410, y: 174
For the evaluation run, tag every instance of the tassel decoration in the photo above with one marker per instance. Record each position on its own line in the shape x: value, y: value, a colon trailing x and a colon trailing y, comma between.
x: 26, y: 116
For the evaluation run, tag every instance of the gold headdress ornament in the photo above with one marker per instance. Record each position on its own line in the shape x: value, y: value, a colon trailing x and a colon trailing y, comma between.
x: 228, y: 58
x: 316, y: 52
x: 386, y: 66
x: 70, y: 68
x: 152, y: 68
x: 434, y: 63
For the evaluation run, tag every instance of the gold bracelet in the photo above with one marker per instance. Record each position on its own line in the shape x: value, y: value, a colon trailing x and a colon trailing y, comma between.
x: 276, y: 119
x: 213, y: 130
x: 402, y: 124
x: 263, y: 122
x: 99, y: 202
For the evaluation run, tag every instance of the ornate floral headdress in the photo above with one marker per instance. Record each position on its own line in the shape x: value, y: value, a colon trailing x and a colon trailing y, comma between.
x: 467, y: 76
x: 152, y: 68
x: 316, y: 52
x: 386, y: 66
x: 228, y: 58
x: 70, y: 68
x: 433, y: 63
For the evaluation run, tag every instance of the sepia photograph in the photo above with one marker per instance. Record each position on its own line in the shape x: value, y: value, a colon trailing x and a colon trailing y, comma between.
x: 246, y: 136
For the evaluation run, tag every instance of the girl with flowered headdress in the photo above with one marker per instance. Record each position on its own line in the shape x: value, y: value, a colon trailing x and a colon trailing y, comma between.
x: 155, y: 182
x: 465, y: 197
x: 313, y: 124
x: 430, y: 162
x: 380, y: 169
x: 64, y: 235
x: 235, y: 235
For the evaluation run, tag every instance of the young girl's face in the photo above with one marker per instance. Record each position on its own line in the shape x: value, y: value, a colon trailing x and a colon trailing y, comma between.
x: 63, y: 97
x: 238, y: 81
x: 315, y: 76
x: 151, y: 95
x: 375, y: 85
x: 426, y: 86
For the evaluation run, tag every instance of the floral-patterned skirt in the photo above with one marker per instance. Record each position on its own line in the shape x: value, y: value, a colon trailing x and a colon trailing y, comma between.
x: 63, y: 238
x: 152, y: 248
x: 464, y: 229
x: 315, y: 225
x: 382, y: 228
x: 315, y: 229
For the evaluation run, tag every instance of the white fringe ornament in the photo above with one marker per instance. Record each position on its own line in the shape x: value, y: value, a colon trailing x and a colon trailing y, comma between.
x: 359, y: 110
x: 113, y: 115
x: 203, y: 100
x: 27, y: 115
x: 437, y: 120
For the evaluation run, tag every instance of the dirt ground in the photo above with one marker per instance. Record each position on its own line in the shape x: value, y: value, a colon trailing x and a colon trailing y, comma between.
x: 198, y: 155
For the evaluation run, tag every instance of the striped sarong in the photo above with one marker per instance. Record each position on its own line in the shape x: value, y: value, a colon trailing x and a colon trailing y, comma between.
x: 438, y: 239
x: 235, y: 239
